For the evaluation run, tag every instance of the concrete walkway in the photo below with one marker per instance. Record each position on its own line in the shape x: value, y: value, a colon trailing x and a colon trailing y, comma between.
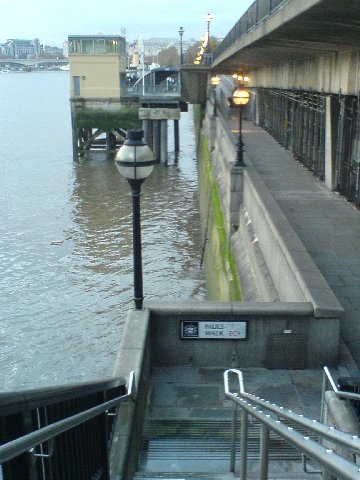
x: 325, y: 222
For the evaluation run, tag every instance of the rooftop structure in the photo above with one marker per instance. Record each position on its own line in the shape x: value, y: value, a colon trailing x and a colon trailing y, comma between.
x: 97, y: 44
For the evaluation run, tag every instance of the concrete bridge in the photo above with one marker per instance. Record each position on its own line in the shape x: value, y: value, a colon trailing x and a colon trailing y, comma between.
x: 309, y: 45
x: 32, y: 62
x: 303, y: 62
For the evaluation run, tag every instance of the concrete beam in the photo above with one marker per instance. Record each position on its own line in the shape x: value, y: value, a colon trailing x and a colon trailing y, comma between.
x: 295, y: 31
x: 333, y: 73
x: 159, y: 113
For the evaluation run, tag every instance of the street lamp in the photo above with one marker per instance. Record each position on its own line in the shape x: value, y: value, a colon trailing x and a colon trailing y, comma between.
x: 135, y: 161
x: 181, y: 33
x: 208, y: 19
x: 215, y: 80
x: 240, y: 98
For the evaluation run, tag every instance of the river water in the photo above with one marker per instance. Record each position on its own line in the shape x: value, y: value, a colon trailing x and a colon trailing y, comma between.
x: 63, y: 305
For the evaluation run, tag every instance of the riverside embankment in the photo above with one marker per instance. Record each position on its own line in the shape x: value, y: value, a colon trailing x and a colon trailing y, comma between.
x: 255, y: 240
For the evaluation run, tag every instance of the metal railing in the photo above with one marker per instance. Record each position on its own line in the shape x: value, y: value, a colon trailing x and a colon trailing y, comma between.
x: 165, y: 89
x: 329, y: 381
x: 271, y: 418
x: 66, y: 429
x: 256, y: 14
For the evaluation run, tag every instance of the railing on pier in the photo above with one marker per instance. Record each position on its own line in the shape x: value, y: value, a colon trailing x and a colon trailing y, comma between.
x: 256, y: 14
x: 158, y: 82
x: 162, y: 90
x: 277, y: 419
x: 60, y: 432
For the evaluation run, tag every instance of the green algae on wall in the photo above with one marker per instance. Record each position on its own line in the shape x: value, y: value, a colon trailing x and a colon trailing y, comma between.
x: 221, y: 276
x: 124, y: 118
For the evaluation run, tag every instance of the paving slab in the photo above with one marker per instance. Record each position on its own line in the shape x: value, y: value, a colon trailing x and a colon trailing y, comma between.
x: 326, y: 223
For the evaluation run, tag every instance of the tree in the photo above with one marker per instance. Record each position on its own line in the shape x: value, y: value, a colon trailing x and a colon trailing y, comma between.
x: 192, y: 52
x: 169, y: 57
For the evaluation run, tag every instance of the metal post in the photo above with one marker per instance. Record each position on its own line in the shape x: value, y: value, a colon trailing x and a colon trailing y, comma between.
x: 324, y: 388
x: 208, y: 47
x: 240, y: 146
x: 264, y: 452
x: 243, y: 444
x: 233, y: 437
x: 181, y: 33
x: 137, y: 255
x: 215, y: 106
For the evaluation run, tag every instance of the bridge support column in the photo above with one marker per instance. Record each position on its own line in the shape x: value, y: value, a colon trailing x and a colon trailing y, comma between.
x: 148, y: 131
x: 110, y: 142
x: 156, y: 138
x: 163, y: 141
x: 329, y: 151
x: 155, y: 121
x: 176, y: 136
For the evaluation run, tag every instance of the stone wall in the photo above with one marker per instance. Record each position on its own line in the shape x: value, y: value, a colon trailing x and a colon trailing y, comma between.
x: 282, y: 269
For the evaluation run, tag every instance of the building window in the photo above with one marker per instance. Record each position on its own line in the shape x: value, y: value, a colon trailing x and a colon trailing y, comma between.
x: 87, y: 46
x: 75, y: 46
x: 111, y: 46
x: 99, y: 46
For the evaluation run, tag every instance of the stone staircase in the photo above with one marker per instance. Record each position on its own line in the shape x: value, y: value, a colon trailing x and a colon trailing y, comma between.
x: 187, y: 433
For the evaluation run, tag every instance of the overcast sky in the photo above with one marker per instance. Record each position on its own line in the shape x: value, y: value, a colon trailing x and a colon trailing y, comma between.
x: 52, y: 22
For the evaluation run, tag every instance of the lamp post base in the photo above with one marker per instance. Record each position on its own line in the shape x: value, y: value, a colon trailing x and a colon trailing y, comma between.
x: 240, y: 155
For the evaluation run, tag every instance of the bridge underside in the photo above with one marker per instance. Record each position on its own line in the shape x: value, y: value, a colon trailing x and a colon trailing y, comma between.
x: 296, y: 31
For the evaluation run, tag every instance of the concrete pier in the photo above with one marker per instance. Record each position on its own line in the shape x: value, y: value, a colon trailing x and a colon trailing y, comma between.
x: 163, y: 141
x: 156, y: 121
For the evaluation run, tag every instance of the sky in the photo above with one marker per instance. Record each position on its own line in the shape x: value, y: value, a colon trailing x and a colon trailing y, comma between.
x: 52, y: 22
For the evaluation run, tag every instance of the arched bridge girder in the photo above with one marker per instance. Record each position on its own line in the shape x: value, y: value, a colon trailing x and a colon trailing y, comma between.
x: 163, y: 80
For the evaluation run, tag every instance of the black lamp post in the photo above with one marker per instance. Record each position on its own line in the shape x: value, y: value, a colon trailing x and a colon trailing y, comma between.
x: 240, y: 98
x: 215, y: 80
x: 135, y: 161
x: 181, y: 33
x: 208, y: 19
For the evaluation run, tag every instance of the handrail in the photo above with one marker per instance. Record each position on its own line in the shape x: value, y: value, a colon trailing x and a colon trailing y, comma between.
x: 15, y: 402
x: 255, y: 15
x: 25, y: 443
x: 328, y: 379
x: 251, y: 405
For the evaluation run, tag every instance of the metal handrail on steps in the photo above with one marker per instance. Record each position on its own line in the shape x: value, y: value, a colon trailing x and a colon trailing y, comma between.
x: 329, y: 381
x: 28, y: 442
x: 271, y: 418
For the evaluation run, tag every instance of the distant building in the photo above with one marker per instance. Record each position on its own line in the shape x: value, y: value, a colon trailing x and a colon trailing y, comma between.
x: 19, y: 48
x: 159, y: 44
x: 66, y: 49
